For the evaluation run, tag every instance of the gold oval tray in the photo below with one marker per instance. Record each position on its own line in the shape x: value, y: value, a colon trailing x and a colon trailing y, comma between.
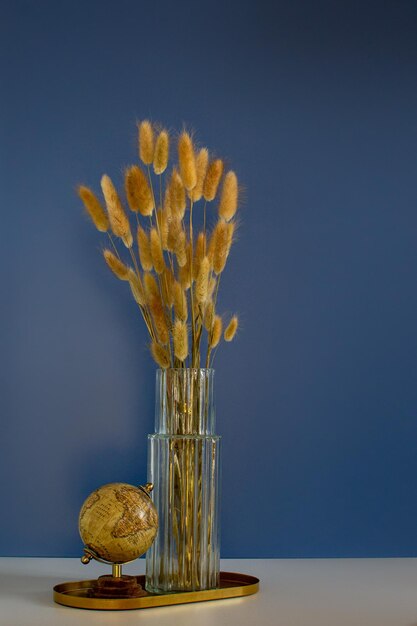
x: 232, y: 585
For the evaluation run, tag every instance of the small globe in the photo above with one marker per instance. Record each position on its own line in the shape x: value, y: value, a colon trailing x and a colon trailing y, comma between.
x: 118, y: 522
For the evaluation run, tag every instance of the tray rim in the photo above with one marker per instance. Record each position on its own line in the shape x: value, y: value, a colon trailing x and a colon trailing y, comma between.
x: 245, y: 585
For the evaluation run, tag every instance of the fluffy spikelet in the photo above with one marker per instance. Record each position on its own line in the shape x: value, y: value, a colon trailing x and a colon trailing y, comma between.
x: 184, y: 275
x: 228, y: 198
x: 156, y: 252
x: 213, y: 176
x: 144, y: 248
x: 136, y: 288
x: 160, y: 355
x: 231, y: 329
x: 94, y: 209
x: 209, y: 316
x: 216, y: 331
x: 231, y: 227
x: 180, y: 302
x: 162, y: 219
x: 186, y: 158
x: 151, y: 287
x: 159, y: 319
x: 201, y: 287
x: 178, y: 200
x: 167, y: 201
x: 200, y: 248
x: 181, y: 249
x: 174, y: 229
x: 160, y: 158
x: 118, y: 218
x: 201, y: 163
x: 180, y: 336
x: 138, y: 192
x: 220, y: 247
x: 118, y: 268
x: 146, y: 142
x: 211, y: 287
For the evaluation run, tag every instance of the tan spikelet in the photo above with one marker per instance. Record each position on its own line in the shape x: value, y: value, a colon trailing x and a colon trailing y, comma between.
x: 167, y: 202
x: 181, y: 249
x: 216, y: 331
x: 228, y: 198
x: 180, y: 302
x: 186, y: 159
x: 151, y: 287
x: 118, y: 219
x: 136, y: 288
x: 161, y: 155
x: 180, y: 336
x: 146, y: 142
x: 162, y: 219
x: 199, y: 253
x: 201, y: 167
x: 159, y: 319
x: 220, y: 246
x: 118, y: 268
x: 138, y: 192
x: 160, y: 355
x: 231, y: 227
x: 184, y: 275
x: 94, y: 209
x: 178, y: 200
x: 156, y: 252
x: 231, y: 329
x: 174, y: 229
x: 201, y: 286
x: 211, y: 287
x: 209, y: 315
x: 144, y: 248
x: 212, y: 180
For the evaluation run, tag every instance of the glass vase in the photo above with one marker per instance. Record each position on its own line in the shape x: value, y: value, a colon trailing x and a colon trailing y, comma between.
x: 183, y: 465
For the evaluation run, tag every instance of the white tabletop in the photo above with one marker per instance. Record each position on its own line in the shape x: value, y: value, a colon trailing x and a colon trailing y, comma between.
x: 301, y: 592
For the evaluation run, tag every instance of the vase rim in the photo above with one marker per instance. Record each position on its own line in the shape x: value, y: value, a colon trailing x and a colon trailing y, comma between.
x: 186, y: 369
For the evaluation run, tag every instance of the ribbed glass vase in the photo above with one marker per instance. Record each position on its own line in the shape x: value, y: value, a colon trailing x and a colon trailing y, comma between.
x: 183, y: 465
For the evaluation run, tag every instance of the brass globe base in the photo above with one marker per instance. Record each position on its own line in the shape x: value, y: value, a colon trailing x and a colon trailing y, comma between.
x: 79, y: 594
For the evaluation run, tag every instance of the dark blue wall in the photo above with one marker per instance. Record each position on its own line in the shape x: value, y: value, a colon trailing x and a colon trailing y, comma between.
x: 315, y: 105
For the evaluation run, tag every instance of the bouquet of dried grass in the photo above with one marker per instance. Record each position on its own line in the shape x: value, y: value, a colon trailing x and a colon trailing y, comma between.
x: 173, y: 264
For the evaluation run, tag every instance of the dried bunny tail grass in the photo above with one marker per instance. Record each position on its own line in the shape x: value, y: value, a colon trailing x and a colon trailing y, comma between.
x: 94, y: 209
x: 181, y: 249
x: 212, y: 180
x: 231, y: 329
x: 118, y: 219
x: 146, y: 142
x: 184, y: 275
x: 159, y: 319
x: 144, y: 248
x: 160, y: 355
x: 167, y: 201
x: 178, y: 200
x: 174, y: 229
x: 201, y: 287
x: 228, y: 198
x: 219, y: 246
x: 161, y: 155
x: 180, y: 302
x: 167, y: 287
x: 200, y: 248
x: 201, y: 163
x: 209, y: 315
x: 151, y: 287
x: 136, y: 288
x: 180, y: 335
x: 156, y: 252
x: 216, y: 331
x: 162, y: 221
x: 186, y: 159
x: 138, y: 192
x: 211, y: 287
x: 118, y: 268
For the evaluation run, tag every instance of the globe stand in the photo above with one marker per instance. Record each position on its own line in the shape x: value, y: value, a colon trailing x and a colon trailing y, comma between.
x: 114, y: 586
